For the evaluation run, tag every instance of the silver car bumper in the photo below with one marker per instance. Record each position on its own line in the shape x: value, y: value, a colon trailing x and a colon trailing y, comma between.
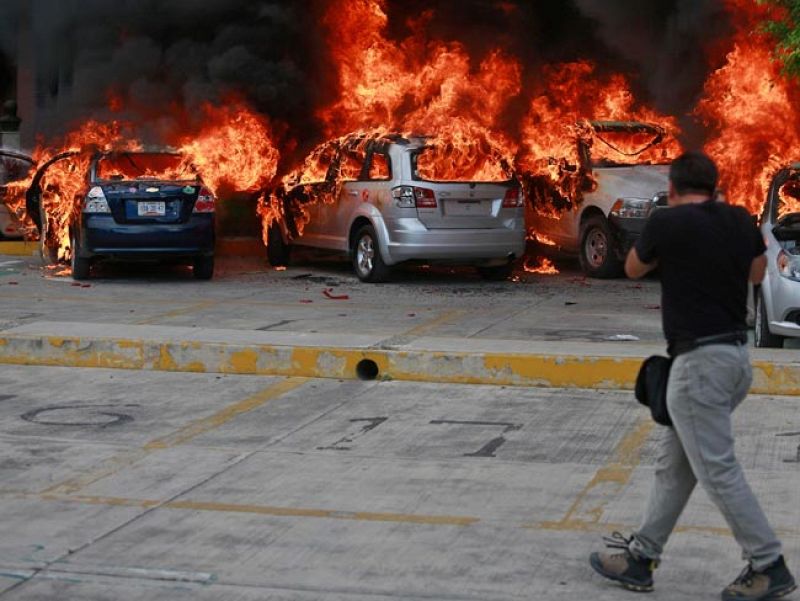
x: 785, y: 306
x: 409, y: 239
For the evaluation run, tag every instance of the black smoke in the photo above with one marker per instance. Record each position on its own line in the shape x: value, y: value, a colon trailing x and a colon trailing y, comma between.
x: 160, y: 54
x: 156, y: 55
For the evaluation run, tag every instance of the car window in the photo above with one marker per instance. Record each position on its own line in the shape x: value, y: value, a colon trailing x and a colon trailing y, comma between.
x: 351, y: 165
x: 469, y: 163
x: 143, y: 165
x: 379, y: 167
x: 617, y: 148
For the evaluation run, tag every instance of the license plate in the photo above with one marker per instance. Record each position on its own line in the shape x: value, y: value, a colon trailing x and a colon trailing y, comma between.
x: 152, y: 209
x: 465, y: 207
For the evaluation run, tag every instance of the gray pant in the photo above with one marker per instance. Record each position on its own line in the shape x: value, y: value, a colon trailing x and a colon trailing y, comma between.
x: 705, y: 386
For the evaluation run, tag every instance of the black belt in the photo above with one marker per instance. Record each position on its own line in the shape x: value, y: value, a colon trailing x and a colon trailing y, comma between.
x: 684, y: 346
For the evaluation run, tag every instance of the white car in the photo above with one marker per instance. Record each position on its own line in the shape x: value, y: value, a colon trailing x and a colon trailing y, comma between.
x: 616, y: 192
x: 777, y: 304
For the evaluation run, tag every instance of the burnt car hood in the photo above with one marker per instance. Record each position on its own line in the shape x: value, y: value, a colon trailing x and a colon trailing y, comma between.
x: 635, y: 181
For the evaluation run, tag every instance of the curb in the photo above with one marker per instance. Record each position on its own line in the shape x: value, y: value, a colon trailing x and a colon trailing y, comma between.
x: 443, y: 366
x: 19, y: 248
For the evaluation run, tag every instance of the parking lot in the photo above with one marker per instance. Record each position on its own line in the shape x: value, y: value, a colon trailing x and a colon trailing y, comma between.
x: 151, y: 485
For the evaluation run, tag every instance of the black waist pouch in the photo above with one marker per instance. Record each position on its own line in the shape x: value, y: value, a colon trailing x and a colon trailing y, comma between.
x: 651, y: 387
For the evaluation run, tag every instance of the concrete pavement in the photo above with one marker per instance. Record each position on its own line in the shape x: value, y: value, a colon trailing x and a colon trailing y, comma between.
x: 153, y: 485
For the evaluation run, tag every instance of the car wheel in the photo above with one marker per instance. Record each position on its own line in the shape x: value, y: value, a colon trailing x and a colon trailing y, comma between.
x: 764, y: 338
x: 81, y: 268
x: 204, y: 268
x: 598, y: 255
x: 279, y: 253
x: 367, y: 260
x: 496, y: 273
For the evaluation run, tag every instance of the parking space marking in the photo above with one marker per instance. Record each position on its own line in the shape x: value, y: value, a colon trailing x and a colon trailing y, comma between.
x: 182, y: 435
x: 615, y: 474
x: 299, y: 512
x: 230, y: 412
x: 185, y: 310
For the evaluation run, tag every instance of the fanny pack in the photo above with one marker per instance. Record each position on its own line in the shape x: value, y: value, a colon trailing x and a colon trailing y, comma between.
x: 651, y: 387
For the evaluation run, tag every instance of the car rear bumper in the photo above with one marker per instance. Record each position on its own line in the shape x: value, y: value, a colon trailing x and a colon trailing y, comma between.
x: 409, y: 239
x: 101, y: 236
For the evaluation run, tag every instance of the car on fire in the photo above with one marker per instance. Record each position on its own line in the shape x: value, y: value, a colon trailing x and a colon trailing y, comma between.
x: 144, y: 205
x: 378, y: 199
x: 14, y: 166
x: 613, y: 190
x: 777, y: 300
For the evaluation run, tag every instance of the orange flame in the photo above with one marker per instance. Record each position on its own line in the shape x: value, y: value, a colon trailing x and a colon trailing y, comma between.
x: 541, y: 266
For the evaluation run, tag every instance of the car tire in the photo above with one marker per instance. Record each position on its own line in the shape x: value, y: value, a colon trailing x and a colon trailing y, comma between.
x: 597, y: 253
x: 81, y: 268
x: 763, y: 337
x: 497, y: 273
x: 203, y: 268
x: 367, y: 259
x: 279, y: 253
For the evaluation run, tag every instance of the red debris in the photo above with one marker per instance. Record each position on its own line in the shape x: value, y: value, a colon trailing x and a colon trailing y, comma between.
x: 653, y: 307
x: 306, y: 301
x: 635, y: 287
x: 76, y: 284
x: 86, y: 285
x: 13, y: 283
x: 328, y: 292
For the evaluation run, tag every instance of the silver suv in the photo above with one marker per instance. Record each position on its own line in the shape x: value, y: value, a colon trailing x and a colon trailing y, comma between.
x: 777, y: 314
x: 380, y: 200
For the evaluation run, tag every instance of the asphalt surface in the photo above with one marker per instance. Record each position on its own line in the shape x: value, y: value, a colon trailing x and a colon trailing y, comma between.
x: 321, y: 295
x: 150, y: 486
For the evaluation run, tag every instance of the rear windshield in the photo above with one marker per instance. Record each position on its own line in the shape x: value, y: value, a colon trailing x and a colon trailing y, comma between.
x: 620, y: 148
x: 144, y: 165
x: 446, y: 163
x: 13, y: 169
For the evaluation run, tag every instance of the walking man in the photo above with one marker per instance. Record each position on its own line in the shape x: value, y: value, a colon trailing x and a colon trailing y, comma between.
x: 706, y: 251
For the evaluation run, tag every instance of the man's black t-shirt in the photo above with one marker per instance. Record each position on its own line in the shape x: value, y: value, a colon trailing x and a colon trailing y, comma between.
x: 704, y: 253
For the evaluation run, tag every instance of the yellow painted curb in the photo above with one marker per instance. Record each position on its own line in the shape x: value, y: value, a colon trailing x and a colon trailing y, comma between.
x: 504, y: 369
x: 19, y: 248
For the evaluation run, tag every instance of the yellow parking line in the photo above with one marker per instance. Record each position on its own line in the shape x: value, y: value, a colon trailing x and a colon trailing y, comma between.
x: 614, y: 474
x: 212, y: 506
x: 177, y: 312
x: 446, y: 317
x: 225, y: 415
x: 180, y: 436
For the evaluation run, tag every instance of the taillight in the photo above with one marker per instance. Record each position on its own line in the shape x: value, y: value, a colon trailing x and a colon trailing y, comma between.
x: 513, y: 199
x: 205, y: 203
x: 96, y: 201
x: 424, y: 198
x: 408, y: 197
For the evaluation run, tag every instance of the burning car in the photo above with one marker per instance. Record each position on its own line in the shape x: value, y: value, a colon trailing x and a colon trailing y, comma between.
x: 146, y: 205
x: 387, y: 199
x: 621, y: 175
x: 14, y: 166
x: 777, y: 305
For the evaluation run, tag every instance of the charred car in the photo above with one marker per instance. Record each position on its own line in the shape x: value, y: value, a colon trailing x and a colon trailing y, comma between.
x: 14, y: 166
x: 620, y: 177
x: 382, y: 201
x: 777, y: 300
x: 146, y: 205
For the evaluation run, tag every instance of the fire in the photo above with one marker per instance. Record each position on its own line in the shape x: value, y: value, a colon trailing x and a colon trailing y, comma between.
x: 558, y: 124
x: 541, y: 238
x: 541, y: 266
x: 752, y: 111
x: 234, y: 149
x: 789, y: 198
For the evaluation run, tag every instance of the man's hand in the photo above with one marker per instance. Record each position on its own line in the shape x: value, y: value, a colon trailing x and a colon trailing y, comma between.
x: 635, y: 268
x: 757, y: 269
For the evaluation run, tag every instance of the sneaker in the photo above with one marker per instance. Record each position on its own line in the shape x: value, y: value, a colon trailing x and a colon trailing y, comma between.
x: 631, y: 571
x: 772, y: 582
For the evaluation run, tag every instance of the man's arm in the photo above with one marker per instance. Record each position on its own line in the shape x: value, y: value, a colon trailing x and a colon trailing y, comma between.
x: 635, y: 268
x: 757, y: 269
